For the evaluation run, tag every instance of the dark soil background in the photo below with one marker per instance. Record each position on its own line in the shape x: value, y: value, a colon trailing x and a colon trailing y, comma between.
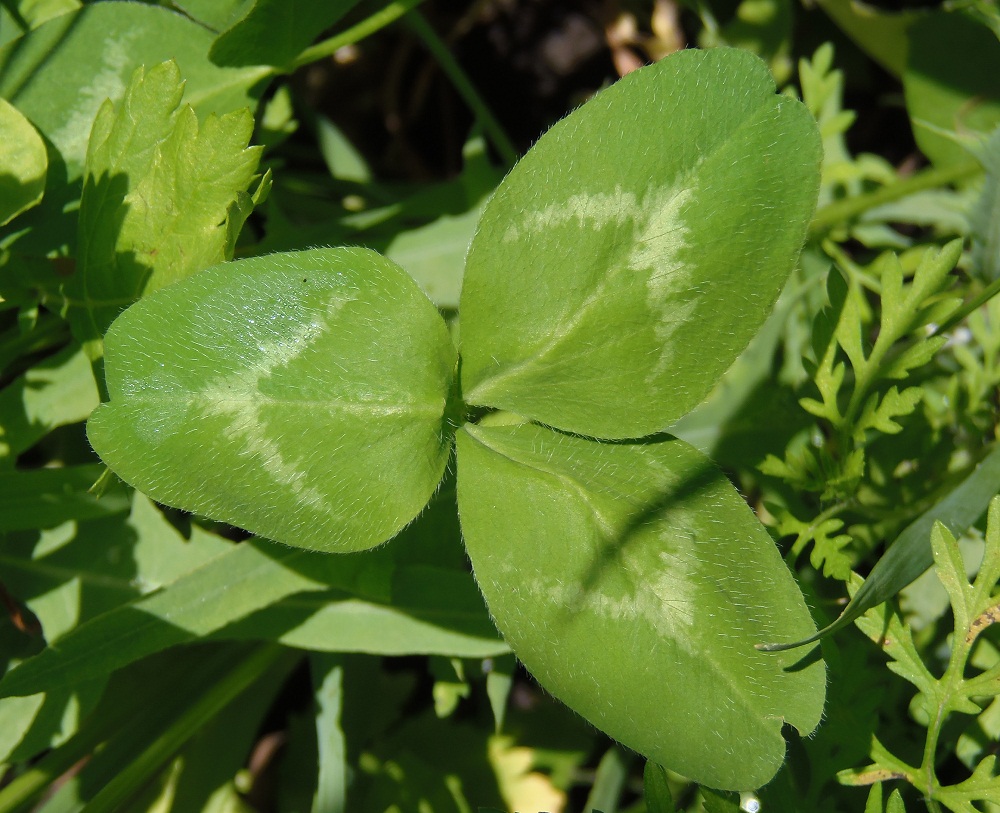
x: 533, y: 61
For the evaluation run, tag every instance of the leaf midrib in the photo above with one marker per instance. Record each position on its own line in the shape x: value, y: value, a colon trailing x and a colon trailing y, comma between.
x: 385, y: 409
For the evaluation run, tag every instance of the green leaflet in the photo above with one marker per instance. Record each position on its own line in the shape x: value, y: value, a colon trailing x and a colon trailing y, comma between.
x: 157, y: 193
x: 216, y: 14
x: 300, y: 396
x: 23, y: 164
x: 633, y: 582
x: 634, y: 251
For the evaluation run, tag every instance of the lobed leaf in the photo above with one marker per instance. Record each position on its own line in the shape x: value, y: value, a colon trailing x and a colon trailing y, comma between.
x: 630, y: 256
x: 910, y: 554
x: 61, y: 88
x: 300, y: 396
x: 157, y: 192
x: 633, y: 582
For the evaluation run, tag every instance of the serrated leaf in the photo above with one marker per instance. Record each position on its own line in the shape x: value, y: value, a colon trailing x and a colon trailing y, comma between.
x: 827, y: 552
x: 633, y: 582
x: 607, y: 288
x: 157, y: 192
x: 23, y: 163
x: 885, y: 627
x: 989, y: 570
x: 60, y: 74
x: 983, y: 785
x: 300, y: 396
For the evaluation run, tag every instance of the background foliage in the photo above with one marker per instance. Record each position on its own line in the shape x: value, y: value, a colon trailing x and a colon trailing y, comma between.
x: 159, y: 661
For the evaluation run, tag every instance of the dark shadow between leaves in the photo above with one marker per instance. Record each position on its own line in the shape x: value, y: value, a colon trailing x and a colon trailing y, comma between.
x: 694, y: 482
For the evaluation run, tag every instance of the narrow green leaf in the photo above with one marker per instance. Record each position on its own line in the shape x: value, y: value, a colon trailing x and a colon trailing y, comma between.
x: 633, y: 582
x: 607, y: 287
x: 198, y: 711
x: 300, y: 396
x: 609, y: 779
x: 874, y: 802
x: 55, y: 392
x: 23, y: 163
x: 656, y: 789
x: 499, y: 680
x: 250, y: 576
x: 79, y: 570
x: 985, y: 215
x: 896, y: 804
x: 205, y: 768
x: 428, y: 611
x: 260, y: 591
x: 910, y: 555
x: 44, y: 498
x: 157, y: 191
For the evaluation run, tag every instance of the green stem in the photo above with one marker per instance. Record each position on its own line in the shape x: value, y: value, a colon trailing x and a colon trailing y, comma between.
x: 949, y: 687
x: 193, y: 719
x: 376, y: 22
x: 416, y: 21
x: 848, y: 209
x: 965, y: 309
